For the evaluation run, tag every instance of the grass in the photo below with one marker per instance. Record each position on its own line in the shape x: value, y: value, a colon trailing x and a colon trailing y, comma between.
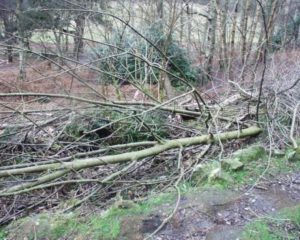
x: 249, y: 174
x: 252, y: 170
x: 2, y: 234
x: 105, y: 226
x: 109, y: 226
x: 285, y: 225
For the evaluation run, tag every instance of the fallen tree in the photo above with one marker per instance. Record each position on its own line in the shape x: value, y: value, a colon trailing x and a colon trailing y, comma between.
x: 59, y: 169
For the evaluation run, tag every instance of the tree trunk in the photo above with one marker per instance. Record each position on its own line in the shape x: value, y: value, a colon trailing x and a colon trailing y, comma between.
x: 21, y: 39
x: 287, y: 9
x: 253, y: 32
x: 211, y: 39
x: 10, y: 39
x: 270, y: 14
x: 58, y: 42
x: 232, y: 38
x: 189, y: 10
x: 164, y: 79
x: 79, y: 31
x: 224, y: 50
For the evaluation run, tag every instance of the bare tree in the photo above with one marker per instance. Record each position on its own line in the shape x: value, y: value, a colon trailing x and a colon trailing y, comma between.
x: 211, y: 38
x: 21, y: 40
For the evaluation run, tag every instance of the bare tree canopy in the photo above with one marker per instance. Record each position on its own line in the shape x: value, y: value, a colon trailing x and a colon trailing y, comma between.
x: 108, y: 100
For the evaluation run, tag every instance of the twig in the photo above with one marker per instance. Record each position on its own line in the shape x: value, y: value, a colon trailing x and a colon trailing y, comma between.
x: 295, y: 144
x: 105, y: 180
x: 166, y: 220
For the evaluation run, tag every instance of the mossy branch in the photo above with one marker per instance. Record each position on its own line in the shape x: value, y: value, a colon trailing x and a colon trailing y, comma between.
x: 79, y: 164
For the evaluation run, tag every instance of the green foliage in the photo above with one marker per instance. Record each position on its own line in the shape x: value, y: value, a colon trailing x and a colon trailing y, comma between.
x: 81, y: 125
x: 130, y: 68
x: 7, y: 134
x: 180, y: 59
x: 252, y: 153
x: 137, y: 131
x: 34, y: 19
x: 97, y: 124
x: 3, y: 234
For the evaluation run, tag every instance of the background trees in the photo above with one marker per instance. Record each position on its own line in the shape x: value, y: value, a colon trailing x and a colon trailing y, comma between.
x: 217, y: 31
x: 103, y: 78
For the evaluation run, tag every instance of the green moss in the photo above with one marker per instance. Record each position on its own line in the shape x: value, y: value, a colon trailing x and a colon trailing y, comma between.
x: 275, y: 227
x: 251, y: 153
x: 59, y: 226
x: 292, y: 154
x: 3, y: 234
x: 259, y: 230
x: 293, y: 214
x: 108, y: 226
x: 64, y: 226
x: 257, y: 162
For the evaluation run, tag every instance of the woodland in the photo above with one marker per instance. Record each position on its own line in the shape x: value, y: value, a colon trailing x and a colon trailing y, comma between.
x: 149, y: 119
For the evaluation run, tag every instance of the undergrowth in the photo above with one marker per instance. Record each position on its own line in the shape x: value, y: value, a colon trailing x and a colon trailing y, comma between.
x: 105, y: 226
x: 249, y: 174
x: 99, y: 124
x: 285, y: 225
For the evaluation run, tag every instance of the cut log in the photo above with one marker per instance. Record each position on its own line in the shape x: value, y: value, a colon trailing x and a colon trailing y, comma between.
x: 78, y: 164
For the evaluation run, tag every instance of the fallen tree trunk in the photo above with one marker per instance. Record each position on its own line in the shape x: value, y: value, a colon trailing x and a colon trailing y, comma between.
x: 58, y: 170
x: 78, y: 164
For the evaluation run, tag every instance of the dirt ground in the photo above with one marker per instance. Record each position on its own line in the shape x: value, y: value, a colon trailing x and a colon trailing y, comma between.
x: 43, y: 78
x: 218, y: 214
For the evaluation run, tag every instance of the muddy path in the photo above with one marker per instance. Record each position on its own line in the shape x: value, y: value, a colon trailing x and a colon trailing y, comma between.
x: 217, y: 214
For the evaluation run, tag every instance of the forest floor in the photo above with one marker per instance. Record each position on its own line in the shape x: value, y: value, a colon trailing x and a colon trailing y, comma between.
x: 211, y: 212
x: 266, y: 209
x: 223, y: 214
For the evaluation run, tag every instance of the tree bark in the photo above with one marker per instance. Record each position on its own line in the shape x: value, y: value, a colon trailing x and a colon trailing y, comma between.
x: 253, y: 32
x: 244, y: 28
x: 79, y: 31
x: 21, y: 36
x: 224, y: 50
x: 211, y: 39
x: 164, y: 79
x: 232, y: 38
x: 78, y: 164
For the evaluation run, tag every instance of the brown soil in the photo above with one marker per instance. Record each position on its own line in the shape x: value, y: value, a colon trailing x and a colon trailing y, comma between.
x: 217, y: 215
x: 42, y: 78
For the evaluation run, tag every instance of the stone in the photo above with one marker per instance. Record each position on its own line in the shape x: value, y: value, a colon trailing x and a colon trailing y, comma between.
x: 232, y: 164
x: 251, y: 153
x: 293, y: 155
x: 218, y: 175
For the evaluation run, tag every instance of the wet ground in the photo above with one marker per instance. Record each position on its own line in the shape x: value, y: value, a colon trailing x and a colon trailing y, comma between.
x: 218, y: 214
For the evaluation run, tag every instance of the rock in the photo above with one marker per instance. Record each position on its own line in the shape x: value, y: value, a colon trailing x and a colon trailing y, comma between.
x: 199, y: 173
x: 250, y: 154
x: 232, y: 164
x: 214, y: 174
x: 131, y: 228
x: 293, y: 155
x: 278, y: 153
x: 217, y: 174
x: 224, y: 233
x: 125, y: 204
x: 211, y: 172
x: 150, y: 224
